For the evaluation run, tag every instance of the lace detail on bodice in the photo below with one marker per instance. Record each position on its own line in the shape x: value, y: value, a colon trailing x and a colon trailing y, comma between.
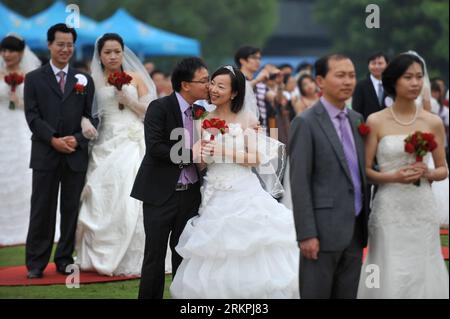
x: 108, y: 102
x: 391, y: 153
x: 116, y: 122
x: 222, y: 174
x: 395, y: 203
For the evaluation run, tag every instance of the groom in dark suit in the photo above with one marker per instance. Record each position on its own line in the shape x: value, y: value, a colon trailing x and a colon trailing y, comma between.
x: 54, y: 107
x: 328, y: 184
x: 167, y: 183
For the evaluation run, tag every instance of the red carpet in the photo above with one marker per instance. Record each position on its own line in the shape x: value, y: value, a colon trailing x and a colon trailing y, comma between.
x: 17, y: 276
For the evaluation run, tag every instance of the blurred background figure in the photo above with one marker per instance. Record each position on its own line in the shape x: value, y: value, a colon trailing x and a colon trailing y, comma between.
x: 369, y: 96
x: 149, y: 66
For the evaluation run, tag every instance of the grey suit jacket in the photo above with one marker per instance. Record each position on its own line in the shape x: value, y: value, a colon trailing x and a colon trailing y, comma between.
x: 321, y: 184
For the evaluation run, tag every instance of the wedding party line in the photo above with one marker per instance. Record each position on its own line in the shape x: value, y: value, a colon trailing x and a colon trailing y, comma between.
x: 246, y: 182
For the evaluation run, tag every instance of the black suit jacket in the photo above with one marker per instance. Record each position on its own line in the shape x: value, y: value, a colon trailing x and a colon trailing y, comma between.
x: 50, y: 113
x: 365, y: 99
x: 159, y: 171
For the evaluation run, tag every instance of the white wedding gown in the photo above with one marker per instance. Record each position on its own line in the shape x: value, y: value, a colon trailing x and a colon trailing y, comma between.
x: 404, y: 241
x: 242, y: 244
x: 110, y: 235
x: 15, y: 172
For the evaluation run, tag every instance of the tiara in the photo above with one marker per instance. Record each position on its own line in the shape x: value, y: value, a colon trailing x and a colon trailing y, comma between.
x: 15, y: 35
x: 230, y: 68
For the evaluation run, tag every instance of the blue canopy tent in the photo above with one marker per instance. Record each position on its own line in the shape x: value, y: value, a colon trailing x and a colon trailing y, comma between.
x: 144, y: 39
x: 56, y: 13
x: 13, y: 22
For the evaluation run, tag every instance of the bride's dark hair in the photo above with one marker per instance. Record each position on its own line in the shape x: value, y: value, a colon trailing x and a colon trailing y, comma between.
x: 395, y: 69
x: 237, y: 86
x: 109, y: 37
x: 12, y: 43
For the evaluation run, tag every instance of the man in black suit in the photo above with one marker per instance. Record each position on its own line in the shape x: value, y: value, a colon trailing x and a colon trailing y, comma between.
x: 54, y: 108
x: 369, y: 96
x: 167, y: 183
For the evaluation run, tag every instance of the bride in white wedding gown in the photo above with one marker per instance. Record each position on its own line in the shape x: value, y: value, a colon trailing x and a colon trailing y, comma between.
x: 243, y: 243
x: 404, y: 259
x: 110, y: 235
x: 15, y: 144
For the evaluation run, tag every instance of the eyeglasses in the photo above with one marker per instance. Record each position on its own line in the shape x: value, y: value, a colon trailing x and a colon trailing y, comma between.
x: 62, y: 45
x: 205, y: 81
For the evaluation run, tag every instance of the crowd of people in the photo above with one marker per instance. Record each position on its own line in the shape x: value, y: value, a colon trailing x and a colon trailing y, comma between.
x: 219, y: 227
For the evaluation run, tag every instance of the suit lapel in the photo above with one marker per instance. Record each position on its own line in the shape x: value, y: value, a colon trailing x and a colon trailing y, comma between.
x: 372, y: 90
x: 176, y: 110
x: 327, y: 126
x: 51, y: 79
x: 71, y: 80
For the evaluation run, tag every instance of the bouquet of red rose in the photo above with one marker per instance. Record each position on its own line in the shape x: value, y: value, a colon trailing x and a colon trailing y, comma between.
x: 214, y: 126
x: 119, y: 79
x: 13, y: 80
x: 420, y: 144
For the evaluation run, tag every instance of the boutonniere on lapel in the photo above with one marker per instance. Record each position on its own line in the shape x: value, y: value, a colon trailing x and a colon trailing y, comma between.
x: 363, y: 129
x: 80, y: 87
x: 199, y: 112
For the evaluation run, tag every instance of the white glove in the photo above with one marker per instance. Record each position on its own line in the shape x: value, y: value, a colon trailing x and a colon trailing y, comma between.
x: 88, y: 130
x: 137, y: 106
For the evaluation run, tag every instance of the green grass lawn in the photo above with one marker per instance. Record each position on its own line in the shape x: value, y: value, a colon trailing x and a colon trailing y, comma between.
x: 14, y: 256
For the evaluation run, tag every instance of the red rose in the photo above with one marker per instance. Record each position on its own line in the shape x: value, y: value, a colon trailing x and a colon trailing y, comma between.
x: 198, y: 113
x: 363, y: 129
x: 79, y: 88
x: 409, y: 148
x: 206, y: 124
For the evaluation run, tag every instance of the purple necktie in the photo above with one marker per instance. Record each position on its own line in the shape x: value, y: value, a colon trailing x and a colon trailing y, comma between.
x: 188, y: 174
x: 352, y: 159
x: 61, y: 82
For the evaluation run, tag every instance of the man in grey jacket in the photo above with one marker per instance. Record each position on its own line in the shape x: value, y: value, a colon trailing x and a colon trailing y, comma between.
x: 328, y: 186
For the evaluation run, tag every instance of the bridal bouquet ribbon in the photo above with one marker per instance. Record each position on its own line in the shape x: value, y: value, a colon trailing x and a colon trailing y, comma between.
x: 119, y: 79
x: 13, y: 80
x: 420, y: 144
x: 214, y: 126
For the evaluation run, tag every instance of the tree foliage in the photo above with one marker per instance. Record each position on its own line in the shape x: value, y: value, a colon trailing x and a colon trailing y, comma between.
x: 404, y: 25
x: 221, y: 25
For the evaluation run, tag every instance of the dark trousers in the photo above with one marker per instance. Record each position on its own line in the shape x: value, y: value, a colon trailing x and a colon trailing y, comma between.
x: 160, y: 222
x: 44, y: 201
x: 334, y: 275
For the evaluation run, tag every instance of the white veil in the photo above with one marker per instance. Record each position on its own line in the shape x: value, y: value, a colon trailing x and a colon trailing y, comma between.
x: 29, y: 61
x: 130, y: 63
x: 272, y: 153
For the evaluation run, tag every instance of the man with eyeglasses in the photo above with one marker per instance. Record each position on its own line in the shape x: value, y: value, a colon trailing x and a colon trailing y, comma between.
x: 169, y: 186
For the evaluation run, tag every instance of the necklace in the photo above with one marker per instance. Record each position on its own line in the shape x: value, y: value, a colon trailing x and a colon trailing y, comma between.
x: 403, y: 123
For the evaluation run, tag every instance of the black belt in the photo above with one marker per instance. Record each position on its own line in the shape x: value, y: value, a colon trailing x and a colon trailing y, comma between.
x: 183, y: 187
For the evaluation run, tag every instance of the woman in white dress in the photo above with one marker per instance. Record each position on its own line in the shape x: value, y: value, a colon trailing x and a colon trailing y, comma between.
x: 404, y: 259
x: 15, y: 144
x: 243, y: 243
x: 110, y: 235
